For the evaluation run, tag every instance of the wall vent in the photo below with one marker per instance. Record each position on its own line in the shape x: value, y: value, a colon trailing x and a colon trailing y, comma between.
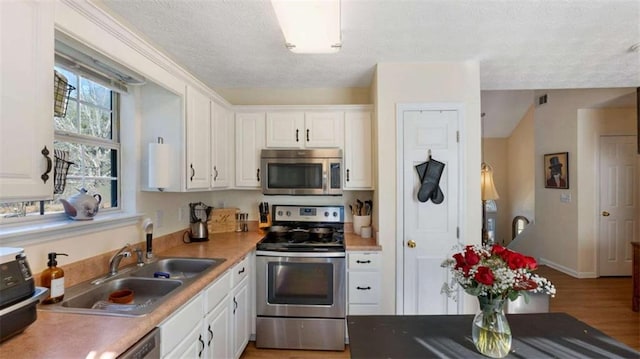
x: 542, y: 100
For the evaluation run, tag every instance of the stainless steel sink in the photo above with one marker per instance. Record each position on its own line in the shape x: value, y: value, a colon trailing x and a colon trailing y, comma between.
x: 148, y: 294
x: 91, y: 297
x: 177, y: 268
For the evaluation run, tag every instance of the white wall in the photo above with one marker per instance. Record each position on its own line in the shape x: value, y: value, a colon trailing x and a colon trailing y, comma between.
x: 555, y: 237
x: 592, y: 124
x: 305, y: 96
x: 521, y: 167
x: 494, y: 151
x: 398, y: 83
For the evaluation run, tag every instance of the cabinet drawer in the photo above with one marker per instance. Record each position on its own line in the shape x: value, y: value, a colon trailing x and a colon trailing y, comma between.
x: 217, y: 291
x: 364, y: 288
x: 364, y: 261
x: 240, y: 271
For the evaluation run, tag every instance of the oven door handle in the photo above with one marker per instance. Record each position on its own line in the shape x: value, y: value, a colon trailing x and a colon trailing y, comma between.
x: 301, y: 254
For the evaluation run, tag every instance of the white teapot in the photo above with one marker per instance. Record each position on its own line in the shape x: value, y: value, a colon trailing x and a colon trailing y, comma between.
x: 82, y: 206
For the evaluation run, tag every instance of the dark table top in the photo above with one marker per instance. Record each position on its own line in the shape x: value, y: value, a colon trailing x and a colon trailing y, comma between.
x: 540, y: 335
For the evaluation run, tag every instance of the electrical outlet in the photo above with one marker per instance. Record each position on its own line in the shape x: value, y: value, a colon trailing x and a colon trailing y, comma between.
x: 565, y: 197
x: 159, y: 222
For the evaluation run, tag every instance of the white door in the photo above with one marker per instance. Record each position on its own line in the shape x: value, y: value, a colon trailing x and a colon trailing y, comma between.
x: 285, y: 129
x: 249, y: 141
x: 430, y: 230
x: 323, y: 129
x: 618, y: 204
x: 358, y: 169
x: 221, y: 146
x: 198, y: 140
x: 26, y: 100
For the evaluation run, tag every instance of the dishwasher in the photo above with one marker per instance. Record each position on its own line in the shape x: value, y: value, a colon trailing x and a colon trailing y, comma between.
x: 148, y: 347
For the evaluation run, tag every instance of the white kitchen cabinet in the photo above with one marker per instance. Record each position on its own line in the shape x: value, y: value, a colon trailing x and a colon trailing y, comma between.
x: 309, y: 129
x: 250, y: 139
x: 358, y: 156
x: 198, y: 140
x: 363, y: 280
x: 240, y: 317
x: 217, y: 334
x: 222, y: 135
x: 26, y: 101
x: 217, y: 320
x: 241, y: 304
x: 181, y: 333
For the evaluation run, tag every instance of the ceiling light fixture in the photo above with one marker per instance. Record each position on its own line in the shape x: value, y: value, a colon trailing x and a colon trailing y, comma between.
x: 310, y: 26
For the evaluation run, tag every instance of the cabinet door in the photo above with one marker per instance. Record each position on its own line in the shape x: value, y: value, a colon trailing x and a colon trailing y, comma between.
x: 217, y: 333
x: 250, y: 139
x: 358, y: 158
x: 180, y: 325
x: 198, y: 139
x: 192, y: 346
x: 323, y: 129
x: 221, y: 146
x: 285, y: 129
x: 26, y: 100
x: 240, y: 312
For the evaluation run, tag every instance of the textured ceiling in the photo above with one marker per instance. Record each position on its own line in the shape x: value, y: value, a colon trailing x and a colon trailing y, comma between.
x: 520, y: 45
x: 525, y: 44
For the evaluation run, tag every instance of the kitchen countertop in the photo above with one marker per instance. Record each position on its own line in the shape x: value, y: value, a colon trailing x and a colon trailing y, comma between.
x: 354, y: 242
x: 66, y: 335
x: 62, y: 335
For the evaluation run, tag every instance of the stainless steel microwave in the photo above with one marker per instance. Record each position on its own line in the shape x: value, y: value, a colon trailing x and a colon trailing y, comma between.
x: 301, y: 172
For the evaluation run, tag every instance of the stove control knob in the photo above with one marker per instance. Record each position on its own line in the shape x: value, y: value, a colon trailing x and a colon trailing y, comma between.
x: 288, y: 213
x: 326, y: 214
x: 335, y: 214
x: 280, y: 213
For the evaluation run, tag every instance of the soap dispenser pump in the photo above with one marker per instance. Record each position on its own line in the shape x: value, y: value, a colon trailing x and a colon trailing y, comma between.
x: 53, y: 278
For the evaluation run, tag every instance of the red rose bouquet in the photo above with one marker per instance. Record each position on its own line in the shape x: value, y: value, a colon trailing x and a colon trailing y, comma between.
x: 495, y: 272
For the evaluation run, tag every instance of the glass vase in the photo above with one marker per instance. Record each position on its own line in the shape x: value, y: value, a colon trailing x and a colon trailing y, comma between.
x: 490, y: 330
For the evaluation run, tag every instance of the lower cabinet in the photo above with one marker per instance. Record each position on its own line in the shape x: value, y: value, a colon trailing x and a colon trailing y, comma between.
x: 216, y: 323
x: 363, y: 272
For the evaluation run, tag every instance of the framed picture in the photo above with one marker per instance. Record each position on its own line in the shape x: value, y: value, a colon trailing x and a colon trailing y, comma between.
x: 556, y: 170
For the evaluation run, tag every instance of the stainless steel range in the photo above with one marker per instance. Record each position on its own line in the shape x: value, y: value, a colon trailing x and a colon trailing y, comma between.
x: 300, y: 283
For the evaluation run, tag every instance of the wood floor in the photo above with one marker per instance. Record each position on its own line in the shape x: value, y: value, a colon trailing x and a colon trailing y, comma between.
x: 603, y: 303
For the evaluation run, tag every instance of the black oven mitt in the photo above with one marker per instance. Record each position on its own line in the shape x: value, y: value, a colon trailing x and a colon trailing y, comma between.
x: 429, y: 173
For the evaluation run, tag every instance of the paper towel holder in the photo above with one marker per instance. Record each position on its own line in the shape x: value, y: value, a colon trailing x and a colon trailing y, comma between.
x: 158, y: 160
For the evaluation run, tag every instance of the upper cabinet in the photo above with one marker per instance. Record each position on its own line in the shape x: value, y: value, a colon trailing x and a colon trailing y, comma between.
x: 309, y: 129
x: 26, y: 103
x: 198, y: 140
x: 250, y: 139
x: 222, y: 136
x: 358, y: 151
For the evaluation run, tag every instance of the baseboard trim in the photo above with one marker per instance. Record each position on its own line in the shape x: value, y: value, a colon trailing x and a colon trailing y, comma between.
x: 568, y: 271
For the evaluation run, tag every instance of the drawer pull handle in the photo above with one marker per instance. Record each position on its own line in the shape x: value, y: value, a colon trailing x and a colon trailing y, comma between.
x: 363, y: 262
x: 241, y: 271
x: 201, y: 343
x: 45, y: 175
x: 297, y: 131
x: 363, y: 288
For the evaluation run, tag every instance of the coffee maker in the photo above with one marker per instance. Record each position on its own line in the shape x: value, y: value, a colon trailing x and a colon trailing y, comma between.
x: 198, y: 218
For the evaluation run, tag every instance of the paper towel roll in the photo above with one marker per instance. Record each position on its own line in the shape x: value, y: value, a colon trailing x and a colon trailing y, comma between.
x: 159, y: 158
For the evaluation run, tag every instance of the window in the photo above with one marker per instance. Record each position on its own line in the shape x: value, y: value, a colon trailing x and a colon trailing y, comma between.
x: 89, y: 135
x: 491, y: 218
x: 518, y: 225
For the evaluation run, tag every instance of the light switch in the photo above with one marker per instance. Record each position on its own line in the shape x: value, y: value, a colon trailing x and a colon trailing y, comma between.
x: 565, y: 197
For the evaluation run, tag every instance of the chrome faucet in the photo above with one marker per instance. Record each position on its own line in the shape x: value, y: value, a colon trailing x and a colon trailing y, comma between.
x: 114, y: 262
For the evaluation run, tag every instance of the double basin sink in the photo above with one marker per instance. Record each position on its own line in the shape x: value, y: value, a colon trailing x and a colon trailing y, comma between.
x: 151, y: 284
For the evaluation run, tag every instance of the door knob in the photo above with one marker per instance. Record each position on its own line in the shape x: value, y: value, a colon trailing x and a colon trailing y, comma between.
x: 411, y: 243
x: 605, y: 214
